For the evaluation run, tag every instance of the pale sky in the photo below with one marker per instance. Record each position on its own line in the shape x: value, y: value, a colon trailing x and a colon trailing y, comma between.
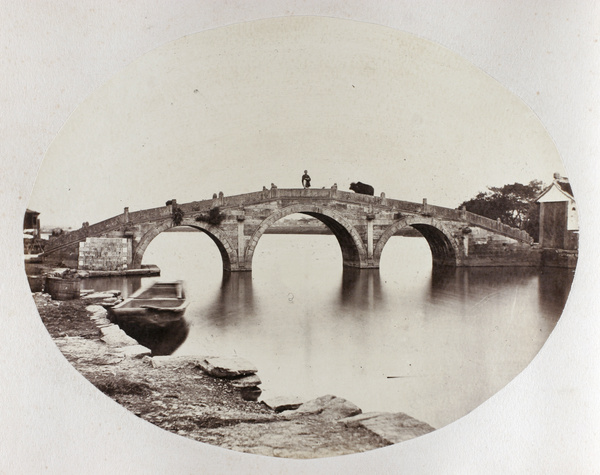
x: 242, y: 106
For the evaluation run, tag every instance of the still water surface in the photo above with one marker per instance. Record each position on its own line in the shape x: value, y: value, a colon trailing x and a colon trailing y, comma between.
x: 405, y: 338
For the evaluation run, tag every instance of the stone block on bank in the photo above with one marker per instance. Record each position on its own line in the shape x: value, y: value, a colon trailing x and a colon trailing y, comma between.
x: 283, y: 403
x: 246, y: 381
x: 60, y: 271
x: 110, y: 330
x: 329, y: 407
x: 392, y: 427
x: 100, y: 318
x: 227, y: 367
x: 136, y: 351
x: 105, y: 359
x: 173, y: 361
x: 96, y: 310
x: 112, y: 335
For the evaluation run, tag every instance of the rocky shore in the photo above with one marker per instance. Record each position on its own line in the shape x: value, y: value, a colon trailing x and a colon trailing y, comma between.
x: 200, y: 397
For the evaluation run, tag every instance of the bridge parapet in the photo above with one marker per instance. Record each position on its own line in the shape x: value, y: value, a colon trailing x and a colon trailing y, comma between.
x: 151, y: 214
x: 315, y: 193
x: 109, y: 225
x: 497, y: 226
x: 81, y: 234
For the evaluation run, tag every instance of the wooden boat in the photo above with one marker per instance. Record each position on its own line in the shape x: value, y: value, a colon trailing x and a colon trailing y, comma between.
x: 159, y: 304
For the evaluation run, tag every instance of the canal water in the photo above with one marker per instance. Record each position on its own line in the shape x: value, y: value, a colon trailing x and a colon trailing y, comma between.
x: 404, y: 338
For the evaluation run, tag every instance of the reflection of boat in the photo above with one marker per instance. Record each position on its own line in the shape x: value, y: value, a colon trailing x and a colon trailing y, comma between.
x: 158, y: 304
x: 154, y: 316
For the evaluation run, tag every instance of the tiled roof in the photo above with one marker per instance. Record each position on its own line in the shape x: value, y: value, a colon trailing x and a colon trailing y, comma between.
x: 563, y: 185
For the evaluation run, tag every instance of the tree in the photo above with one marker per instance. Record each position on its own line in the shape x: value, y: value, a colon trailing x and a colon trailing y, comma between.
x: 177, y: 215
x: 214, y: 216
x: 513, y: 204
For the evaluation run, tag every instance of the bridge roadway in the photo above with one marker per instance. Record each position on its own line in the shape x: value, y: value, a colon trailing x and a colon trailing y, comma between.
x: 362, y: 225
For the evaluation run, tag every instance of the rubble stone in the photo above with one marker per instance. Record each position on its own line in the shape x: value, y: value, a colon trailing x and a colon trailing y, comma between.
x: 227, y: 367
x: 329, y: 407
x: 283, y: 403
x: 392, y: 427
x: 246, y: 381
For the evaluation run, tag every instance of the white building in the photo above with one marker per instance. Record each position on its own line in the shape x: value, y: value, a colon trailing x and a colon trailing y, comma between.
x: 559, y: 223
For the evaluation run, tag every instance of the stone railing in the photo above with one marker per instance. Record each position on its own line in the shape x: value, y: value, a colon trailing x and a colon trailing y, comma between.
x: 81, y: 234
x: 108, y: 225
x: 497, y: 226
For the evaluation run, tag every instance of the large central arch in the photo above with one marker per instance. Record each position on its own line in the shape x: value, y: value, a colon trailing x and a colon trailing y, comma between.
x: 444, y: 248
x: 353, y: 249
x: 228, y: 254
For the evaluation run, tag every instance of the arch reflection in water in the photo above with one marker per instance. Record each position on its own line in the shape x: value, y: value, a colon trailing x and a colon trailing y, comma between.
x: 233, y: 301
x: 512, y: 310
x: 554, y: 287
x: 361, y: 289
x: 485, y: 283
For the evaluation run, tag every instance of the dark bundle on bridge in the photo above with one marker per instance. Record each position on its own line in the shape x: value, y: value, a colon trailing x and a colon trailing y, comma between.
x: 362, y: 188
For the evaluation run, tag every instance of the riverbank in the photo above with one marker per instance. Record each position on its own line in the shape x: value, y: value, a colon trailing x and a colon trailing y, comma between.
x: 178, y: 395
x: 39, y: 269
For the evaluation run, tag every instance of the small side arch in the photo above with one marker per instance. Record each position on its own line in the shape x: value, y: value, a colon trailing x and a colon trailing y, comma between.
x: 444, y: 248
x: 354, y: 253
x: 228, y: 254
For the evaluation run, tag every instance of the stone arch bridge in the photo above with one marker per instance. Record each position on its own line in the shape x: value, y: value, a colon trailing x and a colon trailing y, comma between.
x: 362, y: 225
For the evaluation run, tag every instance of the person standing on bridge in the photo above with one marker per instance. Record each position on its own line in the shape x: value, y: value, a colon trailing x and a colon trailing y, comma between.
x: 306, y: 179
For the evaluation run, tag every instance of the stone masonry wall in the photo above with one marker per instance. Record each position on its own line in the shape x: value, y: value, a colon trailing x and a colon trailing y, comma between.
x: 486, y: 249
x: 104, y: 254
